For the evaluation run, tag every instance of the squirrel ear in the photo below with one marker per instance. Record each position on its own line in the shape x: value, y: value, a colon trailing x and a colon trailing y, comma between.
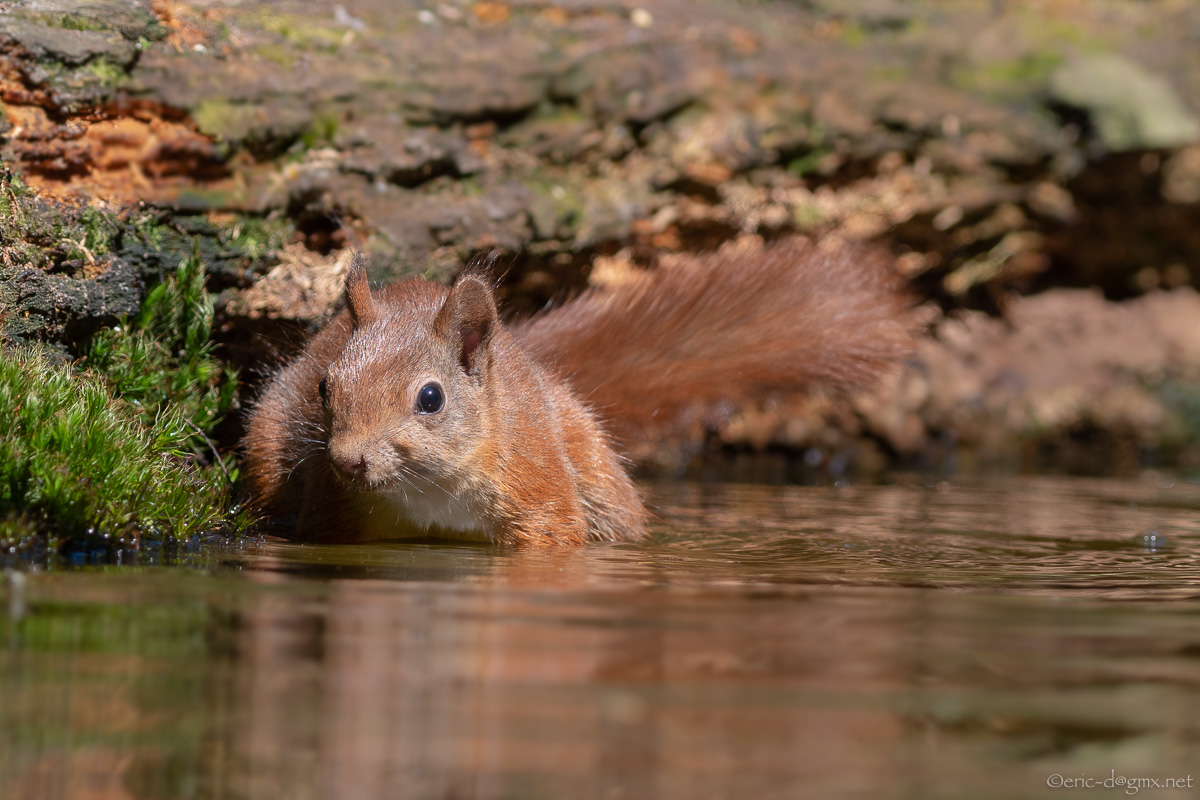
x: 358, y: 292
x: 468, y: 318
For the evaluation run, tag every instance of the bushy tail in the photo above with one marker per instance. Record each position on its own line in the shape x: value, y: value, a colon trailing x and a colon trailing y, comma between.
x: 726, y: 328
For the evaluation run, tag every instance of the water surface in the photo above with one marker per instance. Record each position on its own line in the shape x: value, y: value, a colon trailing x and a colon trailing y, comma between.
x: 915, y: 641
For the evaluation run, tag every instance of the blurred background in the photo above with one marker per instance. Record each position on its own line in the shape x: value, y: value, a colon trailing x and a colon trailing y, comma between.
x: 1033, y: 166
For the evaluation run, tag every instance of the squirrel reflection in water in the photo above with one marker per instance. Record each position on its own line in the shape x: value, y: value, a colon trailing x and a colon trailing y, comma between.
x: 417, y: 413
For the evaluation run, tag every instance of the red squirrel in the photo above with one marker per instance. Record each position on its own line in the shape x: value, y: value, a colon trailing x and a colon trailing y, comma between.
x: 417, y: 413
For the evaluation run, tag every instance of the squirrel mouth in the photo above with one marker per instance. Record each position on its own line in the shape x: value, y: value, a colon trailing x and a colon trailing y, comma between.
x: 354, y: 474
x: 363, y: 475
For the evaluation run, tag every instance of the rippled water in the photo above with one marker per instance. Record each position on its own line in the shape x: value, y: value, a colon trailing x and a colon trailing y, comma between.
x: 901, y: 641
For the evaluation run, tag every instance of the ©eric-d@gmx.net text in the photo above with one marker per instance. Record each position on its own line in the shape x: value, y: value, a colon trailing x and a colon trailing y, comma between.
x: 1115, y: 781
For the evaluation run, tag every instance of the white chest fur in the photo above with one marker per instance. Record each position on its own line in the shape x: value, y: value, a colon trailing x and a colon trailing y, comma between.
x: 423, y: 507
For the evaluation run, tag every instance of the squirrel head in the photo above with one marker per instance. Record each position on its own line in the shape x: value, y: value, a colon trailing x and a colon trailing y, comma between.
x: 406, y: 401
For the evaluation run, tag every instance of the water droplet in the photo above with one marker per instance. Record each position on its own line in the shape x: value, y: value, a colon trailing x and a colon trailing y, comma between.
x: 1153, y: 540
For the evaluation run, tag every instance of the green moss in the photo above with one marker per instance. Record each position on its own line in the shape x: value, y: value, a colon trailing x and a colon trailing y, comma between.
x: 161, y: 241
x: 322, y: 132
x: 226, y: 120
x: 549, y: 111
x: 890, y: 72
x: 280, y: 54
x: 163, y: 363
x: 13, y: 190
x: 87, y: 86
x: 1059, y: 34
x: 34, y: 233
x: 853, y: 34
x: 69, y: 21
x: 470, y: 187
x: 75, y: 22
x: 149, y: 229
x: 108, y: 73
x: 808, y: 216
x: 118, y: 442
x: 300, y: 31
x: 1012, y: 77
x: 254, y: 237
x: 265, y: 129
x: 73, y: 458
x: 99, y: 229
x: 807, y: 163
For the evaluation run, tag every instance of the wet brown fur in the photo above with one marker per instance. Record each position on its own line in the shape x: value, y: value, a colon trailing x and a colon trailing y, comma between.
x: 515, y: 442
x: 536, y: 458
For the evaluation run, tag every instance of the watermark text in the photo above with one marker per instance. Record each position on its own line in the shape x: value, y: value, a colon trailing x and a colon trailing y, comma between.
x: 1115, y: 781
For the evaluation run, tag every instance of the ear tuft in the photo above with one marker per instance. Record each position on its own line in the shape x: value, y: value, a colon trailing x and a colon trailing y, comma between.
x: 468, y: 319
x: 358, y: 292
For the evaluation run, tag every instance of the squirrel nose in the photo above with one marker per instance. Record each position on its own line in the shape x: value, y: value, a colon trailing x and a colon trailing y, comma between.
x: 353, y: 464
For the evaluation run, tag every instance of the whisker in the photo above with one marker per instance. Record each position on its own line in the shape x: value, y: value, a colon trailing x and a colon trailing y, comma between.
x: 290, y: 439
x: 450, y: 495
x: 296, y: 466
x: 304, y: 423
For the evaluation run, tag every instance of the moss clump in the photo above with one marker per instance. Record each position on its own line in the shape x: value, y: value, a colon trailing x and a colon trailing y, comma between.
x: 281, y: 55
x: 322, y: 132
x: 157, y: 241
x: 1012, y: 78
x: 29, y: 228
x: 118, y: 443
x: 254, y: 238
x: 72, y: 458
x: 98, y: 230
x: 300, y: 31
x: 41, y: 233
x: 808, y: 163
x: 108, y: 73
x: 164, y: 360
x: 854, y: 34
x: 226, y: 120
x: 68, y: 21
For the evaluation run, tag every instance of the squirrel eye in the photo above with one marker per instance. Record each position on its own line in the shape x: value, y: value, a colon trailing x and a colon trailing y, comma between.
x: 431, y: 398
x: 323, y: 390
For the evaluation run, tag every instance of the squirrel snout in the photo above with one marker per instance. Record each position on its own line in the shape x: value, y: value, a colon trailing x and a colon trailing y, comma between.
x: 351, y: 462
